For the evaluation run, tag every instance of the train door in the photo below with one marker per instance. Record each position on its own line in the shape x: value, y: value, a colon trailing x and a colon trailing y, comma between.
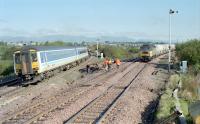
x: 26, y: 63
x: 17, y: 62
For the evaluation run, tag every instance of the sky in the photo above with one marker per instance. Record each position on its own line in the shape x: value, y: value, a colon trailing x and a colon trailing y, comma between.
x: 137, y: 19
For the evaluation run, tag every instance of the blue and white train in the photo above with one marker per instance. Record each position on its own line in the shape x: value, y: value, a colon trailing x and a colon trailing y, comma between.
x: 32, y: 61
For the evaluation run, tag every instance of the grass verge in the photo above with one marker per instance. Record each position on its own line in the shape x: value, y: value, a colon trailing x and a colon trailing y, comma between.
x: 6, y: 67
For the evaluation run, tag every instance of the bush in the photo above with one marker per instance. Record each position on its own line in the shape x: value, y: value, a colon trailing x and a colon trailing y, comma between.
x: 6, y: 67
x: 8, y: 53
x: 189, y: 90
x: 58, y: 43
x: 6, y: 59
x: 189, y: 51
x: 173, y: 82
x: 166, y: 105
x: 133, y: 50
x: 115, y: 52
x: 194, y: 69
x: 9, y: 70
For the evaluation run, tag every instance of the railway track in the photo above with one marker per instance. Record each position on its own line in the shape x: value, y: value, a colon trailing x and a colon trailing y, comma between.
x: 39, y: 111
x: 7, y: 82
x: 9, y: 92
x: 94, y: 111
x: 15, y: 81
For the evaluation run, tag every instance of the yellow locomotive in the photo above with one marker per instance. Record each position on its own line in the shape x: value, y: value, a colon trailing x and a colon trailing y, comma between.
x: 149, y: 51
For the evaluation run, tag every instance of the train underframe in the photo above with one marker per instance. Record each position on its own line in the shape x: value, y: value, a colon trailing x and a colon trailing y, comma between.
x: 37, y: 77
x: 146, y: 58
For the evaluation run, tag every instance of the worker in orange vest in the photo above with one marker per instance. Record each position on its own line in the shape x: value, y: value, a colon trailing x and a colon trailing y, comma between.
x: 109, y: 64
x: 106, y: 64
x: 117, y: 62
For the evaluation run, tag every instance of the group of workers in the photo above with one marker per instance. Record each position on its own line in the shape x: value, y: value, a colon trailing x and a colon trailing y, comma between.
x: 108, y: 63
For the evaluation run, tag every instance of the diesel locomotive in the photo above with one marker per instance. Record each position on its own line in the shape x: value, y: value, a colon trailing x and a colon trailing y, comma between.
x: 149, y: 51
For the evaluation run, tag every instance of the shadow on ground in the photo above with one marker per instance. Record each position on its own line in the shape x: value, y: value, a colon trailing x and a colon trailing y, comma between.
x: 148, y: 114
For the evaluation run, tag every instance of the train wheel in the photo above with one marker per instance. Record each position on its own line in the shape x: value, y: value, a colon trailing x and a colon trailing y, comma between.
x: 77, y: 63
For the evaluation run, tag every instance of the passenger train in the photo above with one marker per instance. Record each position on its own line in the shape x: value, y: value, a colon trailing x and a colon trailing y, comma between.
x: 41, y: 61
x: 149, y: 51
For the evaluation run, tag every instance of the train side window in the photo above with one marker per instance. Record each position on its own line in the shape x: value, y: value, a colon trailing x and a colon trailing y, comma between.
x: 34, y: 56
x: 42, y: 56
x: 82, y: 51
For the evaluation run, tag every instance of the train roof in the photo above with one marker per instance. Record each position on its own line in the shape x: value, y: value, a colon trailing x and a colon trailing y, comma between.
x: 46, y: 48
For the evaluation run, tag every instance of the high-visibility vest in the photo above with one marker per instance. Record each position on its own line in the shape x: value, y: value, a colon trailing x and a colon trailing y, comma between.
x: 106, y: 62
x: 109, y: 62
x: 118, y: 62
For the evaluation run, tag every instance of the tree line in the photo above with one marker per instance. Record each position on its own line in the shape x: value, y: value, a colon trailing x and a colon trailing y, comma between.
x: 190, y: 51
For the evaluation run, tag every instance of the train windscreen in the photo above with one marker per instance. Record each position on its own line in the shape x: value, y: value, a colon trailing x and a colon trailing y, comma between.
x: 34, y: 56
x: 17, y: 58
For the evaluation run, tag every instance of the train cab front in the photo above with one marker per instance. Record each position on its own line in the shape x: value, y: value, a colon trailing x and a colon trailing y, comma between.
x: 145, y: 56
x: 17, y: 63
x: 26, y: 64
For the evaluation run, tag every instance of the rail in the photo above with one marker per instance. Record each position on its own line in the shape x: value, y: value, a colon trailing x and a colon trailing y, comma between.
x: 170, y: 118
x: 39, y: 110
x: 103, y: 109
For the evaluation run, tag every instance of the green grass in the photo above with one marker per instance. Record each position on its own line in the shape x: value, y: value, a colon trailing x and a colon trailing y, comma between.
x: 6, y: 59
x: 167, y: 101
x: 5, y: 63
x: 117, y: 51
x: 190, y: 84
x: 184, y: 106
x: 6, y: 67
x: 173, y: 81
x: 166, y: 105
x: 2, y: 50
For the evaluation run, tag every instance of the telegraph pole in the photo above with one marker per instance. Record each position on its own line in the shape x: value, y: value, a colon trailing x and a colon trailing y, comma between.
x: 97, y: 48
x: 171, y: 12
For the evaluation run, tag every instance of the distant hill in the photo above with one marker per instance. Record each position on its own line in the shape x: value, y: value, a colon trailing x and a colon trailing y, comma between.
x: 75, y: 39
x: 63, y: 38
